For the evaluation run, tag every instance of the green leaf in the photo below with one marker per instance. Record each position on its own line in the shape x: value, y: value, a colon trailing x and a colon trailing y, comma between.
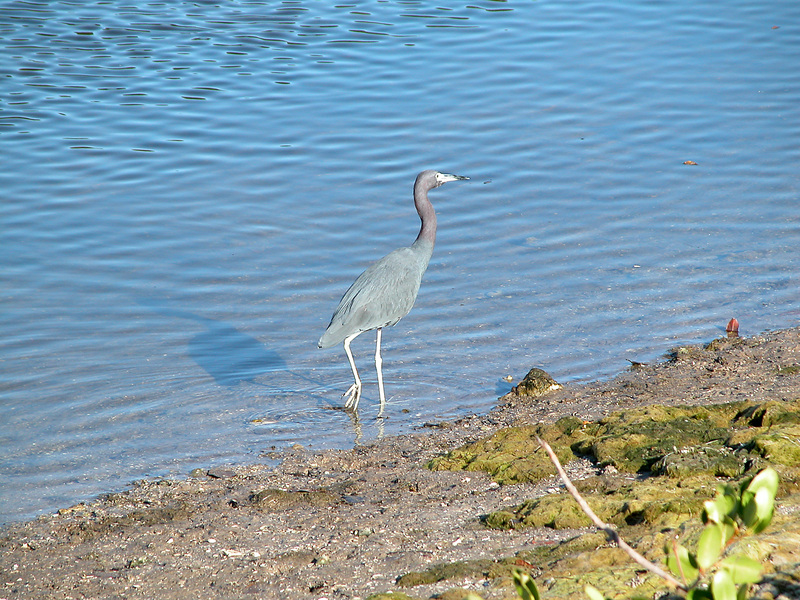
x: 743, y: 592
x: 698, y: 594
x: 711, y: 512
x: 724, y: 505
x: 742, y: 569
x: 722, y: 586
x: 757, y: 509
x: 526, y: 586
x: 681, y: 563
x: 710, y: 545
x: 593, y: 593
x: 766, y: 479
x: 758, y: 500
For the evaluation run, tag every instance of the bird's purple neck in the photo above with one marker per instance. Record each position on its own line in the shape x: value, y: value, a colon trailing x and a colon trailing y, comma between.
x: 427, y: 215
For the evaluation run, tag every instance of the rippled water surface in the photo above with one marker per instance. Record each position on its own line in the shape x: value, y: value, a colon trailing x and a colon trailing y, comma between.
x: 187, y: 188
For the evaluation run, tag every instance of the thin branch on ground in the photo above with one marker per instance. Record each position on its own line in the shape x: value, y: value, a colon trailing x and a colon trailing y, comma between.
x: 612, y: 533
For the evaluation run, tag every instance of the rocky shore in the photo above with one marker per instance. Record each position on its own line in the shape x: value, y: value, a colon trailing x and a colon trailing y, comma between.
x: 404, y: 516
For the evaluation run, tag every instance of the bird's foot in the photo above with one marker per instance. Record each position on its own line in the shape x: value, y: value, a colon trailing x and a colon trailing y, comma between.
x: 353, y: 395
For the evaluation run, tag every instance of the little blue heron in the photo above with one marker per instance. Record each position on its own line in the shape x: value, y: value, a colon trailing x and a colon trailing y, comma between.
x: 386, y: 291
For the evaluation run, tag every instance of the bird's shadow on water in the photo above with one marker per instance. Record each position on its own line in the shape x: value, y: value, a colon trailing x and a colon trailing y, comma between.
x: 232, y: 358
x: 228, y: 355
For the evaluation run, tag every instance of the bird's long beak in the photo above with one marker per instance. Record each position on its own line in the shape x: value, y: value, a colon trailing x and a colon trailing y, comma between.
x: 448, y: 177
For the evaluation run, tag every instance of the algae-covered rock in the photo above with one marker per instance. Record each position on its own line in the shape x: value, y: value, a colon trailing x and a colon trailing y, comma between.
x: 769, y: 414
x: 535, y: 384
x: 714, y: 459
x: 558, y: 511
x: 789, y: 370
x: 779, y: 447
x: 633, y: 441
x: 390, y: 596
x: 671, y: 460
x: 478, y: 569
x: 563, y: 570
x: 655, y: 502
x: 722, y: 440
x: 512, y: 454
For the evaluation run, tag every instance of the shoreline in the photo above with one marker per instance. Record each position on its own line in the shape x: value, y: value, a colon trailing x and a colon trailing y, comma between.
x: 347, y: 523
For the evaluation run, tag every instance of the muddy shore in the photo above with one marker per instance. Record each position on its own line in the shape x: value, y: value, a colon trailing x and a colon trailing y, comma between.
x: 348, y: 524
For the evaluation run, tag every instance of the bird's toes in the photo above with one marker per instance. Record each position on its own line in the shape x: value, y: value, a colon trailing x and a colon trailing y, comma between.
x: 353, y: 394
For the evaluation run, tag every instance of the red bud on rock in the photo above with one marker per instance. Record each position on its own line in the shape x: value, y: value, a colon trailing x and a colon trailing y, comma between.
x: 733, y: 328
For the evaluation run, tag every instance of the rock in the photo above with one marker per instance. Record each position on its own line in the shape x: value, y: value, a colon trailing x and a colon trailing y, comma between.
x: 536, y: 383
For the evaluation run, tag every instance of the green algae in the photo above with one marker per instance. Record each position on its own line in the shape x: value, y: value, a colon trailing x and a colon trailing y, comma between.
x: 655, y: 502
x: 726, y: 441
x: 390, y: 596
x: 721, y: 440
x: 769, y: 414
x: 714, y: 459
x: 477, y: 569
x: 633, y: 441
x: 789, y: 370
x: 563, y: 570
x: 780, y: 447
x: 670, y: 460
x: 512, y: 455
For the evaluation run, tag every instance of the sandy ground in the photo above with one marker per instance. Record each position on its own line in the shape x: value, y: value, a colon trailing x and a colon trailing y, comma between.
x: 347, y: 524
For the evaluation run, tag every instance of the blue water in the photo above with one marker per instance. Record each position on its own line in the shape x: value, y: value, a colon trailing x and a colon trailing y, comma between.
x: 187, y: 188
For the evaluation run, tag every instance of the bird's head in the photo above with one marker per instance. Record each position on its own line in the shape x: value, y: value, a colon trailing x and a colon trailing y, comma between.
x: 432, y: 179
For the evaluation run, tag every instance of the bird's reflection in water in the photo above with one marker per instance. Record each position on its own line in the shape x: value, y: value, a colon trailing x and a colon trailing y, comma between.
x: 355, y: 423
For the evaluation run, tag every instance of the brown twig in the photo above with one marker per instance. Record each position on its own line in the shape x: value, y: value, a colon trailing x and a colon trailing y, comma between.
x: 605, y: 527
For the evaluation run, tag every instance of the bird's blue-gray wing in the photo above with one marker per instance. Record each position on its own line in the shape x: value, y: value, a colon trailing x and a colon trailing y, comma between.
x: 380, y: 297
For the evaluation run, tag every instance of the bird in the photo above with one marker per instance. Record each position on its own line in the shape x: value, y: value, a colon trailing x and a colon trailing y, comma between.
x: 387, y: 290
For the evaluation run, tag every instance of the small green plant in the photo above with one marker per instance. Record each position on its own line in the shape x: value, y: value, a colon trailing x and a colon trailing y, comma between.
x: 710, y: 572
x: 526, y: 586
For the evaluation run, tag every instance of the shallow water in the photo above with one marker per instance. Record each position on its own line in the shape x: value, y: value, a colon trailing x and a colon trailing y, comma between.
x: 188, y: 188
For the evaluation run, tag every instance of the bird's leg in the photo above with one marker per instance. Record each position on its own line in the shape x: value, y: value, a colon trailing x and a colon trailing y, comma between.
x: 354, y: 391
x: 378, y: 365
